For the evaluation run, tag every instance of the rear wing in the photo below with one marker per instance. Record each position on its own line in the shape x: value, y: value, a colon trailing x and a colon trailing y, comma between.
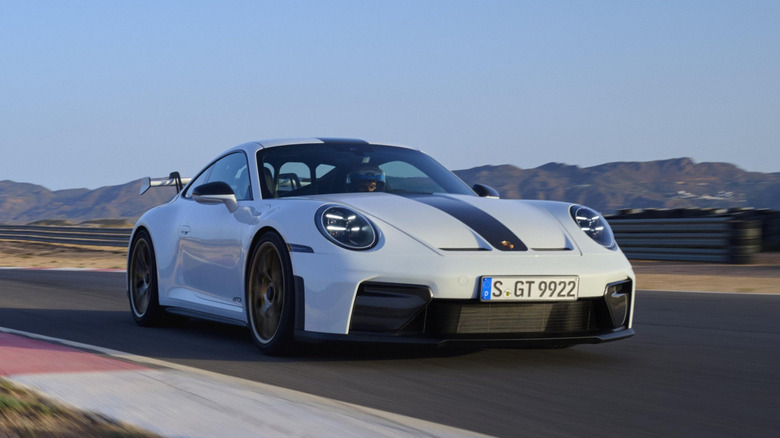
x: 174, y: 180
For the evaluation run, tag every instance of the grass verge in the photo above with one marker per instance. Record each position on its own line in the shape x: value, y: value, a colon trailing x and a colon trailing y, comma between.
x: 26, y: 414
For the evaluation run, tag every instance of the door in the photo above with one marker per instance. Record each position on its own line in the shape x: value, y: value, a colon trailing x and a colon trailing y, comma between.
x: 211, y: 238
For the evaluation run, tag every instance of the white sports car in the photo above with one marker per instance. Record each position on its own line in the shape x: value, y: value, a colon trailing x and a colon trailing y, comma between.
x: 339, y: 239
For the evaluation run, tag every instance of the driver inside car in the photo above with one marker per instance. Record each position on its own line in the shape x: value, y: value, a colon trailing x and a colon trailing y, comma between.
x: 366, y: 179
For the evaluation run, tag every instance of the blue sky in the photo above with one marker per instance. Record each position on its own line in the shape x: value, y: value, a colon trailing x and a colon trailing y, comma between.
x: 96, y: 93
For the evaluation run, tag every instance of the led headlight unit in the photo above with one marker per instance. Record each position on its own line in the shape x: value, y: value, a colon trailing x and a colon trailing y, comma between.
x: 594, y: 225
x: 346, y: 227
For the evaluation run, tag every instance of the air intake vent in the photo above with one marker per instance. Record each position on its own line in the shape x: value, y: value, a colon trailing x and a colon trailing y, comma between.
x: 466, y: 318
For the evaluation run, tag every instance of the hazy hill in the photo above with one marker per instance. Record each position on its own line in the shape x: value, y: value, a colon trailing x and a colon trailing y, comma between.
x: 674, y: 183
x: 22, y: 203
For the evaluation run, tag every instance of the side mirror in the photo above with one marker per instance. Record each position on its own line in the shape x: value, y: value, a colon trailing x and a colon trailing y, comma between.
x: 216, y: 192
x: 485, y: 191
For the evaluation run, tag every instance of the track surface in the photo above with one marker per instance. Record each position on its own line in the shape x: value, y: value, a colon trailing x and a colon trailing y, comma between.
x: 700, y: 364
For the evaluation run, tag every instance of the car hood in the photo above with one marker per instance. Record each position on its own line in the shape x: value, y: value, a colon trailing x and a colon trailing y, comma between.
x: 457, y: 222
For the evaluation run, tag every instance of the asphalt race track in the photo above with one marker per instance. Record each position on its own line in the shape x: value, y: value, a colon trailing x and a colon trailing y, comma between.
x: 700, y: 364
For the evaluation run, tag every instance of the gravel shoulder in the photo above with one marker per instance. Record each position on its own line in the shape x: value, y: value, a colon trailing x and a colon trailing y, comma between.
x: 46, y: 255
x: 761, y: 276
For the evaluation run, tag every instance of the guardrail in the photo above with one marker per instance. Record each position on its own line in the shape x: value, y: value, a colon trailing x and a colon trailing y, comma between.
x: 722, y: 239
x: 92, y: 236
x: 706, y: 235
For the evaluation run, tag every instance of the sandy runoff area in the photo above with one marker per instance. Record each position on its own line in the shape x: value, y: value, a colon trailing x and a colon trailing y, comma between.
x: 762, y: 276
x: 45, y: 255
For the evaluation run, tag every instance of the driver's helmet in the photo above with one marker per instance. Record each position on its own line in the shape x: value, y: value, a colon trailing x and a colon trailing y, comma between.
x: 366, y: 179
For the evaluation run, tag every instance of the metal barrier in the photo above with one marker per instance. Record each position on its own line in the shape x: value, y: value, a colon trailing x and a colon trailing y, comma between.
x: 770, y: 229
x: 705, y: 235
x: 92, y: 236
x: 722, y: 239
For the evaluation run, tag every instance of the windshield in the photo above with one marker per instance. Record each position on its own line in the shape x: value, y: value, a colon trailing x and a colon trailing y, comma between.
x: 312, y: 169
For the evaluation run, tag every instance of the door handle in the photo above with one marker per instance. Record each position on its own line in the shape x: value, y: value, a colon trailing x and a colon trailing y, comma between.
x: 185, y: 230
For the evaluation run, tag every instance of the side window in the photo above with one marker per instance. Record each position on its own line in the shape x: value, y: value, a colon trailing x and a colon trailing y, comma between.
x: 323, y: 170
x: 201, y: 179
x: 292, y: 176
x: 232, y: 170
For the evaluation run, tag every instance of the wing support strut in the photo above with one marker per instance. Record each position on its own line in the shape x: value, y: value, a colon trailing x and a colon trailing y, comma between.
x: 173, y: 180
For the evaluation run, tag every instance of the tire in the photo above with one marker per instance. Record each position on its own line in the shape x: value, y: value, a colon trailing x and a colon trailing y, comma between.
x: 142, y: 282
x: 269, y: 295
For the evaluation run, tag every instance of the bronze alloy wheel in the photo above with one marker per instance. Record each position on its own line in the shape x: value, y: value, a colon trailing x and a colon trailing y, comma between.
x: 142, y: 281
x: 269, y: 304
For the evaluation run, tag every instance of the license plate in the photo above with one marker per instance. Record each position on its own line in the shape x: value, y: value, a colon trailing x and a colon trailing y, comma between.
x: 528, y: 288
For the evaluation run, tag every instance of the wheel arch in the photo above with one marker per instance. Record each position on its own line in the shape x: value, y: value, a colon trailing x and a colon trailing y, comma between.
x: 137, y: 230
x: 250, y: 249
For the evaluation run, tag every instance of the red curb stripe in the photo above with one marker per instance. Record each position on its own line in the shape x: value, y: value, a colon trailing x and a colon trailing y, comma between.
x: 20, y: 355
x: 22, y: 268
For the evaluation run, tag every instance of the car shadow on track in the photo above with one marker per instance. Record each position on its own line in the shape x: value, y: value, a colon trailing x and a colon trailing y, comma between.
x: 191, y: 339
x: 312, y: 352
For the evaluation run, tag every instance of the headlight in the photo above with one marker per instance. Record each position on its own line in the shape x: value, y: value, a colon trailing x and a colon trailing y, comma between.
x: 594, y: 225
x: 346, y: 227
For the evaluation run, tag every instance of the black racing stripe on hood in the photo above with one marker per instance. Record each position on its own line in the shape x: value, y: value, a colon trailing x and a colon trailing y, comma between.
x: 490, y: 228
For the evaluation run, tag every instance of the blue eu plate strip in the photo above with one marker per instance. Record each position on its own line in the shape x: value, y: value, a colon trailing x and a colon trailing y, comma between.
x: 487, y: 286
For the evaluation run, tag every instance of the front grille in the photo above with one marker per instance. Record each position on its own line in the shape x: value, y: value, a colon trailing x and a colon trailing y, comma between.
x: 486, y: 318
x: 475, y: 318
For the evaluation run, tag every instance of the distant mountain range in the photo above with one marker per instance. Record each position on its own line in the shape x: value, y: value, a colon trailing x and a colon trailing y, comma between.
x: 23, y: 203
x: 674, y: 183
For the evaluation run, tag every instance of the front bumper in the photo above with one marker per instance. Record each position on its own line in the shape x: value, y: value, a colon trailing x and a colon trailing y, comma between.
x: 394, y: 313
x: 334, y: 282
